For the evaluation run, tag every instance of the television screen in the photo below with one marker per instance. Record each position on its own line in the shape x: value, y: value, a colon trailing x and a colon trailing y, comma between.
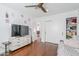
x: 16, y: 30
x: 24, y: 30
x: 19, y: 30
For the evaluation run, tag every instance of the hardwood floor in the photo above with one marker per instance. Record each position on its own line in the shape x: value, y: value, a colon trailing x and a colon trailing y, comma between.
x: 37, y: 49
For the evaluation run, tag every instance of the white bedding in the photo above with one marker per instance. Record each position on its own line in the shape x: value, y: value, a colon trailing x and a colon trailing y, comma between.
x: 65, y: 50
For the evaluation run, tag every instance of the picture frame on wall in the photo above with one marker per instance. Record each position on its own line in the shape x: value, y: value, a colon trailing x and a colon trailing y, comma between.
x: 6, y: 15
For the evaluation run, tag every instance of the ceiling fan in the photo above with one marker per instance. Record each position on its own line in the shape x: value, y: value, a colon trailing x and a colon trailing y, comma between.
x: 40, y: 5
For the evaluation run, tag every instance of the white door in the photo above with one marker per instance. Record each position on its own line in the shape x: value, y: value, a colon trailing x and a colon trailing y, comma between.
x: 51, y: 32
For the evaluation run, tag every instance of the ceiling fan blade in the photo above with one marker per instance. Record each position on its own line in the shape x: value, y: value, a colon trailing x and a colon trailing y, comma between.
x: 40, y: 4
x: 31, y: 6
x: 43, y: 9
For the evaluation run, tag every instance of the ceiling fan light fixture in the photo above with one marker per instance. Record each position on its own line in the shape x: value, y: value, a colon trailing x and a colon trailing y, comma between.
x: 47, y: 10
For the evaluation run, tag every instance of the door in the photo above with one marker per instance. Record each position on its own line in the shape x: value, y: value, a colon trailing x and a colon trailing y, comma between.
x: 51, y: 32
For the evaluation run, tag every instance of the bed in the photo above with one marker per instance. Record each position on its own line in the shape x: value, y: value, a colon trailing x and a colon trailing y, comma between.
x: 68, y: 48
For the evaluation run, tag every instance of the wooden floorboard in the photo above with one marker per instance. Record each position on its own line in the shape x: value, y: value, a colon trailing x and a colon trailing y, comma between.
x: 37, y: 49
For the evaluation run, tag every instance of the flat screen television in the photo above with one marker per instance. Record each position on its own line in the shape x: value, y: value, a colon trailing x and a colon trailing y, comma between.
x: 24, y: 30
x: 19, y: 30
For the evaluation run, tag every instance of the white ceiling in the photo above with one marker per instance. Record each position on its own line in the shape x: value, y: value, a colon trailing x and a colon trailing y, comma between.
x: 53, y: 8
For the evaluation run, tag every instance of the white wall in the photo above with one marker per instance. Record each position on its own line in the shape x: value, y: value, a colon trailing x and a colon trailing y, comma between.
x: 55, y: 26
x: 14, y: 18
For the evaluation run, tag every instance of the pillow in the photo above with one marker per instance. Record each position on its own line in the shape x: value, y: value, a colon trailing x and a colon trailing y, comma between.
x: 72, y: 43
